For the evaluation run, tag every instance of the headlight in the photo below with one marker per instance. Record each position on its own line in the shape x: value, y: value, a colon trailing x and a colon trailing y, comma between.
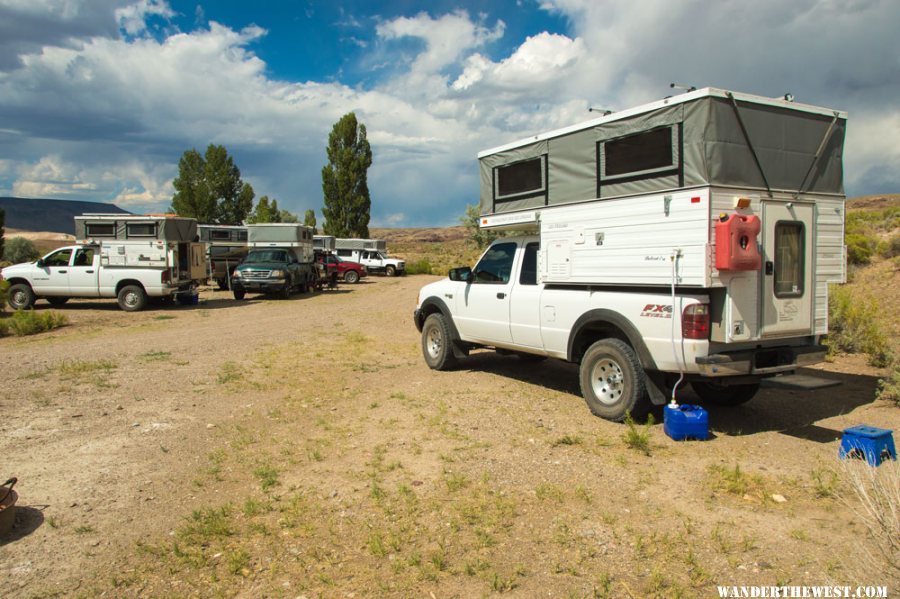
x: 237, y: 274
x: 277, y: 274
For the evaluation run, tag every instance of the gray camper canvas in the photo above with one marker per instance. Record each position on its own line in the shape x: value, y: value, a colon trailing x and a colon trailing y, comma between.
x: 133, y: 227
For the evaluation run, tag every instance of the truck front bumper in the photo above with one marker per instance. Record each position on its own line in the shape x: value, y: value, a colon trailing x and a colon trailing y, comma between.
x: 259, y: 285
x: 760, y: 361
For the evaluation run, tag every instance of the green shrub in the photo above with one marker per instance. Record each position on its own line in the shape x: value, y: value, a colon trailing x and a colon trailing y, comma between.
x: 860, y: 248
x: 891, y: 247
x: 854, y: 327
x: 4, y: 290
x: 19, y: 249
x: 29, y: 322
x: 419, y: 267
x: 889, y: 387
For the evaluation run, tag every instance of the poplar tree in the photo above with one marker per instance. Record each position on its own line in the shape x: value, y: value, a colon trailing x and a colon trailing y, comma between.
x: 344, y: 182
x: 209, y: 188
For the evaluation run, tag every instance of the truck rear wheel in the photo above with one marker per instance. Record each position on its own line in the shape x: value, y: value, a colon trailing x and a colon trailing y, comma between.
x: 613, y: 382
x: 390, y: 270
x: 21, y: 297
x: 724, y: 395
x: 436, y: 343
x: 132, y: 298
x: 351, y: 276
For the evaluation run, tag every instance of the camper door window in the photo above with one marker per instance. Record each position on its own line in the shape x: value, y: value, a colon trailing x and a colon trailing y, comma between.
x: 789, y: 260
x: 645, y: 154
x: 140, y: 230
x: 520, y: 179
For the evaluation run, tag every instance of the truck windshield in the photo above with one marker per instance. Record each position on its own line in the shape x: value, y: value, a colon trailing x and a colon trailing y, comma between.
x: 266, y: 256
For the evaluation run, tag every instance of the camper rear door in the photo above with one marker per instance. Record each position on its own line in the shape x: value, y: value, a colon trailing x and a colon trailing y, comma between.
x: 787, y: 289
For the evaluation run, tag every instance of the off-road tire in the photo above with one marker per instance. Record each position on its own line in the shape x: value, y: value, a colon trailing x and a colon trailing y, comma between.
x: 351, y: 276
x: 57, y: 301
x: 724, y: 395
x: 437, y: 342
x: 390, y: 270
x: 285, y: 292
x: 132, y: 298
x: 223, y: 284
x: 613, y: 382
x: 238, y: 292
x: 21, y: 297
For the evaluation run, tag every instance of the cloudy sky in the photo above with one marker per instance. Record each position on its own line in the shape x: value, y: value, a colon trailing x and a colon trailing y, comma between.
x: 100, y: 98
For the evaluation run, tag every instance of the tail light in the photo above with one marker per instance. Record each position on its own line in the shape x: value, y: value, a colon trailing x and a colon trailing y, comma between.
x: 212, y: 265
x: 695, y: 322
x: 166, y: 276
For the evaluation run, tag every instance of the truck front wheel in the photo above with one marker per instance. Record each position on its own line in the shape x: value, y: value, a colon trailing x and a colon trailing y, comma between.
x: 239, y: 292
x: 351, y: 276
x: 612, y: 381
x: 390, y: 270
x: 21, y: 297
x: 132, y: 298
x: 436, y: 340
x: 724, y: 395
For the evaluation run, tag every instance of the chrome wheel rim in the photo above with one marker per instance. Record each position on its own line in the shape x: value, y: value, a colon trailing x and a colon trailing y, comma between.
x: 19, y: 298
x: 607, y: 381
x: 433, y: 343
x: 131, y: 299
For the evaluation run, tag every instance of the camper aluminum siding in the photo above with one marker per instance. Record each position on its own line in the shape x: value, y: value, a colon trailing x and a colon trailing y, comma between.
x: 223, y: 234
x: 324, y: 242
x: 292, y: 235
x: 360, y: 244
x: 101, y: 227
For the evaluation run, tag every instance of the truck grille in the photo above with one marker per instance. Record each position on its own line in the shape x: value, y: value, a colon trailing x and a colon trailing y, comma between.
x: 257, y: 274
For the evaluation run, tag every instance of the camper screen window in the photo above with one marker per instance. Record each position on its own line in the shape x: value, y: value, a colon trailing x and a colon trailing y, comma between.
x: 140, y: 230
x: 241, y: 235
x: 219, y: 235
x: 639, y: 153
x: 100, y: 229
x: 789, y: 259
x: 519, y: 178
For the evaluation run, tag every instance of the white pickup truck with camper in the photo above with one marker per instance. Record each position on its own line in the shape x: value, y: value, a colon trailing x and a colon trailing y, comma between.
x: 371, y: 253
x: 691, y: 240
x: 127, y: 257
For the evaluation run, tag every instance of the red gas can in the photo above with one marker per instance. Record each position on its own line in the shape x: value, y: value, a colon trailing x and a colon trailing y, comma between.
x: 736, y: 247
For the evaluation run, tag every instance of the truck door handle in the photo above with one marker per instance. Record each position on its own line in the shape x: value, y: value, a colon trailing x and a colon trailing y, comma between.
x: 90, y: 271
x: 501, y: 295
x: 448, y: 295
x: 62, y: 272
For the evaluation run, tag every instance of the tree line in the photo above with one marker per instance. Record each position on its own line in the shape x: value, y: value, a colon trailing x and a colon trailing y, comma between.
x: 209, y: 187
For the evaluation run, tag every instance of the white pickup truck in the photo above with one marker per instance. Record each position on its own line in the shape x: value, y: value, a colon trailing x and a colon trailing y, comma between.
x: 632, y: 344
x: 131, y: 271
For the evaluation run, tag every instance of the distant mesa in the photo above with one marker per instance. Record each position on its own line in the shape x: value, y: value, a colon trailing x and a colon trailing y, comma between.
x: 57, y: 216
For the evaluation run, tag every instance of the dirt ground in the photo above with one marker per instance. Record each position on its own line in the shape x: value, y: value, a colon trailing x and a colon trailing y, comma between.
x: 302, y: 448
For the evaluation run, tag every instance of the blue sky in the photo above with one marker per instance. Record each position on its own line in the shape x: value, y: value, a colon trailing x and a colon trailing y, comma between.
x: 100, y: 98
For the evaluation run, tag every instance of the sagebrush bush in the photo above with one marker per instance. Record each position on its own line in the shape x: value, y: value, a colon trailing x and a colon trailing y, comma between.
x: 889, y: 387
x: 854, y: 327
x: 29, y: 322
x: 860, y: 248
x: 4, y: 294
x: 18, y: 249
x: 891, y: 247
x: 419, y: 267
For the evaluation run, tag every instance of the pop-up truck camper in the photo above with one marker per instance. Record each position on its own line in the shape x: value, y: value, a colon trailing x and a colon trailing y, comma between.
x: 688, y: 240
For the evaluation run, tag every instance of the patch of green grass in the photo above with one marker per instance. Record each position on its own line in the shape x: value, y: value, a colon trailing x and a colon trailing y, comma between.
x: 29, y: 322
x: 83, y: 368
x: 735, y: 481
x: 376, y: 545
x: 855, y: 326
x: 238, y: 562
x: 267, y: 476
x: 825, y: 482
x: 638, y: 438
x: 548, y: 492
x: 566, y: 440
x: 207, y: 524
x: 889, y: 387
x: 155, y: 356
x: 455, y: 480
x: 229, y: 373
x: 163, y: 317
x: 84, y: 529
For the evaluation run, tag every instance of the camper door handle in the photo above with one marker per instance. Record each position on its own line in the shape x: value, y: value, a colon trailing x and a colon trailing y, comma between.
x: 501, y: 295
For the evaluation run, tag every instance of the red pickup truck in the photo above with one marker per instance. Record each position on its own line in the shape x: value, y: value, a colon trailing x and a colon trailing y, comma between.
x: 349, y: 272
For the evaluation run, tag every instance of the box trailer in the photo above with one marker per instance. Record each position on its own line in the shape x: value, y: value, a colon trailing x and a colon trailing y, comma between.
x: 738, y: 194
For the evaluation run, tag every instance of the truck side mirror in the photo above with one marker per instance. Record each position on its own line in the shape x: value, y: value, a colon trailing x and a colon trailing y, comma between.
x: 39, y: 263
x: 463, y: 273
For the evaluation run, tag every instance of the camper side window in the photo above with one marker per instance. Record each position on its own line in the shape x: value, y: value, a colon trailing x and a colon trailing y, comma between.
x: 519, y: 179
x: 140, y: 230
x: 100, y: 229
x: 221, y: 235
x: 644, y: 154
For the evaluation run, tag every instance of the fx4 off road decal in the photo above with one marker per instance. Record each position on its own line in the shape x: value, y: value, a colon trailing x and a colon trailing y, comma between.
x: 657, y: 311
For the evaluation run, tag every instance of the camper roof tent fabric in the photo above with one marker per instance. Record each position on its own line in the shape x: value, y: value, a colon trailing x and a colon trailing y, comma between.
x: 136, y: 227
x: 699, y: 141
x: 223, y: 233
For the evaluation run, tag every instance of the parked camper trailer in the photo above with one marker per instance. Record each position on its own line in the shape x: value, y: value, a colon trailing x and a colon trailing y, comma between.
x: 280, y: 260
x: 131, y: 258
x: 226, y: 247
x: 690, y: 238
x: 371, y: 253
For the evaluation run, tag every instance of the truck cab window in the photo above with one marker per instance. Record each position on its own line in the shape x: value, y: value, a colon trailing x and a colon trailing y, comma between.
x: 84, y: 257
x: 496, y: 265
x: 60, y: 258
x: 529, y: 265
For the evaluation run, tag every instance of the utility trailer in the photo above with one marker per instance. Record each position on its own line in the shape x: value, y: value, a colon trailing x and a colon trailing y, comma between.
x: 690, y: 239
x: 226, y: 247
